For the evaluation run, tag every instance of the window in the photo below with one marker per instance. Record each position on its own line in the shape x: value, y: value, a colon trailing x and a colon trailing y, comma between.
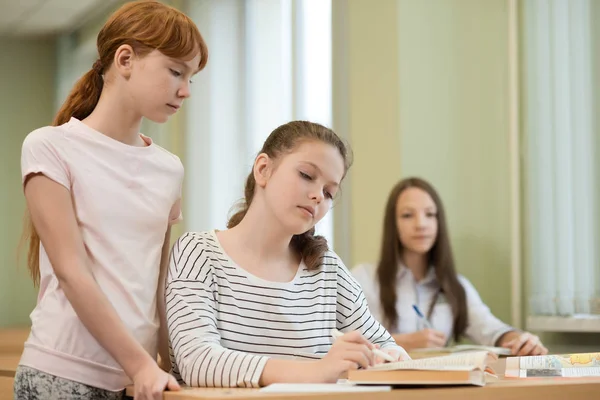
x: 560, y: 51
x: 313, y: 80
x: 270, y: 62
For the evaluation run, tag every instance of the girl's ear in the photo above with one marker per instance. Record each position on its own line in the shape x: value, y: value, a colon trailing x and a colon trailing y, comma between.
x: 262, y: 169
x: 123, y: 60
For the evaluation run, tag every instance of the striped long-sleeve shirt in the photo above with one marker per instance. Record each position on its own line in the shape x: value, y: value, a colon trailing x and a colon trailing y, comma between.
x: 224, y: 323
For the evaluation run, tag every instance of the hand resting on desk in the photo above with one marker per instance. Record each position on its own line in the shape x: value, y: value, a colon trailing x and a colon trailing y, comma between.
x: 522, y: 344
x: 421, y: 339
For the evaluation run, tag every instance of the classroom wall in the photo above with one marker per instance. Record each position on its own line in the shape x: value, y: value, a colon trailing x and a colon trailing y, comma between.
x: 26, y: 103
x: 454, y: 127
x: 415, y: 92
x: 424, y: 91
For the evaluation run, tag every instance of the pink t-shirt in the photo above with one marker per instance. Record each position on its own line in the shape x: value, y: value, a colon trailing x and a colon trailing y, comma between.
x: 124, y: 198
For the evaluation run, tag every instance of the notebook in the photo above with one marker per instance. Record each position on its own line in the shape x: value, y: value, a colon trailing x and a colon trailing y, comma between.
x: 556, y: 365
x: 471, y: 368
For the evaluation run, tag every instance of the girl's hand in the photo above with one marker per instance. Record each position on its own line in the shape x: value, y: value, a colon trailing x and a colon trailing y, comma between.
x: 397, y: 353
x: 424, y: 338
x: 348, y: 352
x: 525, y: 344
x: 151, y: 381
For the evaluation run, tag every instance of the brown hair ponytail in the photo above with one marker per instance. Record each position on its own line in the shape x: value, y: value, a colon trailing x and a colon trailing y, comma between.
x: 82, y: 99
x: 284, y: 139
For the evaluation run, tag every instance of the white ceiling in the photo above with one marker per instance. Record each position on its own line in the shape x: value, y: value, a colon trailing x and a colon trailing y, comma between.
x: 47, y: 17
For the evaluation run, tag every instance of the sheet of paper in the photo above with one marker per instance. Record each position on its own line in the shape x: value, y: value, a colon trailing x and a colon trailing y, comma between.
x: 322, y: 388
x: 491, y: 349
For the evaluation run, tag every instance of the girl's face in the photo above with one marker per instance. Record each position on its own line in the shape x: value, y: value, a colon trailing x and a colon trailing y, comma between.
x: 299, y: 186
x: 416, y: 220
x: 157, y: 84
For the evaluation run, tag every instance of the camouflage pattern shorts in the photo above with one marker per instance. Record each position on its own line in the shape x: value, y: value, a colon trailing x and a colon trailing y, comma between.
x: 31, y: 384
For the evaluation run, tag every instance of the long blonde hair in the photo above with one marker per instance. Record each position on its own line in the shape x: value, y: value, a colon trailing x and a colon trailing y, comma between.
x: 145, y: 26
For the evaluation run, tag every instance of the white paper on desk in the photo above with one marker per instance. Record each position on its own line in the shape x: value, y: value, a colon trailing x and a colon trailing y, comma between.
x: 341, y: 386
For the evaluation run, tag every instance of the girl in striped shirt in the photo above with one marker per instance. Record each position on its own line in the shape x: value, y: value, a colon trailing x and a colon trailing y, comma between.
x: 257, y: 303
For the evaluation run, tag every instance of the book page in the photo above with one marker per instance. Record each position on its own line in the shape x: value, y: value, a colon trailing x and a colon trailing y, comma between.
x: 458, y: 361
x: 574, y: 372
x: 558, y: 361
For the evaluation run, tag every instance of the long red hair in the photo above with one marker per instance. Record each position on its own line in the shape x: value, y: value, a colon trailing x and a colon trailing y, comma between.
x: 145, y: 26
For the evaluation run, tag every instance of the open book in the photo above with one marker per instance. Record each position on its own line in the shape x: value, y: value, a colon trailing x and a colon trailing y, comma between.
x: 566, y: 365
x: 455, y: 369
x: 501, y: 351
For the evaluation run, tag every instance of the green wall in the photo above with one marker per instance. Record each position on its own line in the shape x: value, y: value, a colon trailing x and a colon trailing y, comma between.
x: 454, y: 128
x: 26, y: 103
x: 421, y: 88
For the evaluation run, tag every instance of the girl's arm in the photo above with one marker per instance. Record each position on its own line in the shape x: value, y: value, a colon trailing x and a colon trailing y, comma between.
x: 420, y: 339
x: 353, y: 312
x: 483, y: 328
x: 348, y: 352
x: 53, y: 216
x: 522, y: 343
x: 163, y: 332
x: 192, y: 324
x: 192, y: 312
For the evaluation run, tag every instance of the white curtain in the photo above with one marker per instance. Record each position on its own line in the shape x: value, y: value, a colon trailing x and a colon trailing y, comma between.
x: 269, y: 63
x: 561, y: 155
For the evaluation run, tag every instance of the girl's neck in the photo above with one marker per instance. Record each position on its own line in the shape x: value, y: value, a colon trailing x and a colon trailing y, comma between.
x: 113, y: 117
x: 260, y: 245
x: 416, y: 263
x: 262, y: 233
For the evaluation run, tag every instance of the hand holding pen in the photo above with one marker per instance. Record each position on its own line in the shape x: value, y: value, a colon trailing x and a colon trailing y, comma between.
x: 427, y: 336
x: 394, y: 354
x: 425, y: 324
x: 376, y: 352
x: 349, y: 351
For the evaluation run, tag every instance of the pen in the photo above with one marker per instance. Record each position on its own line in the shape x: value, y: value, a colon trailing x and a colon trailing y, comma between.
x: 336, y: 334
x: 424, y: 321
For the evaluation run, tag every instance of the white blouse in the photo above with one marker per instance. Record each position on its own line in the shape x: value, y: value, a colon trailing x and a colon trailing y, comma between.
x: 483, y: 327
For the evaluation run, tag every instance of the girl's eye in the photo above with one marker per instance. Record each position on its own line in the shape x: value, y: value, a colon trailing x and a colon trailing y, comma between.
x: 175, y: 73
x: 328, y: 195
x: 305, y: 176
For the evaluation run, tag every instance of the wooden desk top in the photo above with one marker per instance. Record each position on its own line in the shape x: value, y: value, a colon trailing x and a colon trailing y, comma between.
x: 12, y: 339
x: 531, y: 388
x: 8, y: 364
x: 503, y: 389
